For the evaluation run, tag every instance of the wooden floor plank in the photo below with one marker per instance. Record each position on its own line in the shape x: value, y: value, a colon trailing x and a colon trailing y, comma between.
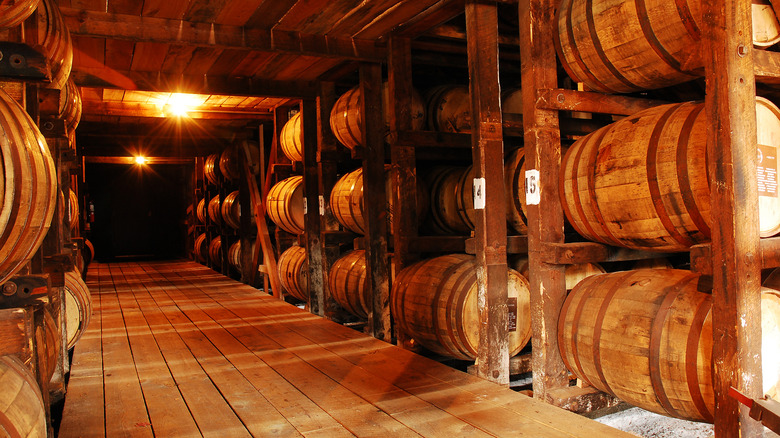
x: 213, y: 415
x: 83, y: 413
x: 124, y: 402
x: 234, y: 361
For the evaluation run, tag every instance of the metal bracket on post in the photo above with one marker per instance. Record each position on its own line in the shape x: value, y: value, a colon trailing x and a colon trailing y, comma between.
x: 21, y: 290
x: 22, y: 62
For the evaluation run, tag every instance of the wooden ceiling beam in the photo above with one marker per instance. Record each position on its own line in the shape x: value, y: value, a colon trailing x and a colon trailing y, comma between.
x: 136, y: 109
x: 103, y: 77
x: 169, y: 31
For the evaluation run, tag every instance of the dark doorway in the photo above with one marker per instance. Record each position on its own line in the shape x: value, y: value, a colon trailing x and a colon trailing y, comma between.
x: 140, y: 210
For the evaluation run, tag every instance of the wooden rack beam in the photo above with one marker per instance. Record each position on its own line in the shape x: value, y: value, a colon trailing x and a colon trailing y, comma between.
x: 490, y: 207
x: 572, y: 100
x: 312, y: 223
x: 545, y: 219
x: 374, y: 202
x: 731, y: 148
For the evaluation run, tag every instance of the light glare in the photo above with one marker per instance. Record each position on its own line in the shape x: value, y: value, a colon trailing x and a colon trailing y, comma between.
x: 140, y: 160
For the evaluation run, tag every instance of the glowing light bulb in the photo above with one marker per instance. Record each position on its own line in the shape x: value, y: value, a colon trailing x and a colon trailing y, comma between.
x: 140, y: 160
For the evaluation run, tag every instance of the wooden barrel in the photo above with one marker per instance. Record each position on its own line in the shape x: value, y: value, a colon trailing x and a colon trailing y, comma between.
x: 78, y: 307
x: 215, y: 251
x: 346, y: 116
x: 435, y: 302
x: 72, y: 105
x: 449, y: 108
x: 285, y: 204
x: 28, y: 187
x: 642, y: 182
x: 293, y: 272
x: 231, y: 210
x: 346, y: 201
x: 770, y: 329
x: 452, y: 204
x: 14, y: 12
x: 73, y: 209
x: 201, y: 248
x: 234, y: 255
x: 202, y: 211
x: 214, y: 212
x: 573, y: 274
x: 88, y: 252
x: 22, y: 413
x: 766, y: 28
x: 228, y: 163
x: 645, y: 336
x: 211, y: 169
x: 54, y: 36
x: 623, y: 46
x: 48, y: 344
x: 514, y: 184
x: 347, y: 283
x: 291, y: 138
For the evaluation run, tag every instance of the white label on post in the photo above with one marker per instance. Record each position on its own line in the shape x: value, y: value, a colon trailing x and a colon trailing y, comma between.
x: 479, y: 193
x: 532, y: 196
x: 322, y: 206
x: 305, y: 206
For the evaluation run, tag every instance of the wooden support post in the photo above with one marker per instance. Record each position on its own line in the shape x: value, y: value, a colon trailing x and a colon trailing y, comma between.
x: 545, y: 219
x: 403, y: 158
x: 327, y: 162
x: 736, y: 271
x: 312, y: 223
x: 488, y: 150
x: 374, y: 202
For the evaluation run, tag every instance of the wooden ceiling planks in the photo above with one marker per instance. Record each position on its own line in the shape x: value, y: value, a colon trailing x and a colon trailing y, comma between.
x: 322, y: 23
x: 352, y: 22
x: 237, y: 12
x: 203, y: 58
x: 304, y: 13
x: 170, y: 9
x: 119, y: 54
x: 387, y: 21
x: 149, y: 56
x: 178, y: 58
x: 269, y: 13
x: 204, y: 11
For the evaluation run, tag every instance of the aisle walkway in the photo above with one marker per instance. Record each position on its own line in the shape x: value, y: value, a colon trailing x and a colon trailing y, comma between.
x: 177, y: 350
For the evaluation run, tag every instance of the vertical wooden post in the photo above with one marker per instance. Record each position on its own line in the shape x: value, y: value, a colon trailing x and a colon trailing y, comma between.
x: 545, y: 220
x: 402, y: 157
x: 488, y: 150
x: 731, y: 147
x: 327, y: 160
x: 311, y: 192
x: 374, y: 202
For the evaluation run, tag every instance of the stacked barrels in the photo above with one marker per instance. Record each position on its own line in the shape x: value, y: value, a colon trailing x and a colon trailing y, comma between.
x: 78, y: 307
x: 284, y: 204
x: 293, y: 272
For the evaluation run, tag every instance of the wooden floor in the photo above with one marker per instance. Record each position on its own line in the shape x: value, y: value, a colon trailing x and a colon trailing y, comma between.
x: 177, y: 350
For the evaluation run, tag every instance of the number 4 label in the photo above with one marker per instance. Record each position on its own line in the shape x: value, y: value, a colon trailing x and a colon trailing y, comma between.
x: 532, y: 196
x: 479, y: 193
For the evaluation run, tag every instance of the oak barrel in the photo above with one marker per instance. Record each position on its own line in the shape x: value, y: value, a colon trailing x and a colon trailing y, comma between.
x: 624, y: 46
x: 73, y: 209
x: 514, y: 184
x: 28, y: 187
x: 234, y: 255
x: 435, y: 302
x: 214, y: 212
x: 14, y: 12
x: 88, y: 253
x: 78, y: 307
x: 347, y: 283
x: 211, y: 168
x: 54, y: 36
x: 285, y: 204
x: 645, y: 336
x: 449, y: 107
x: 452, y: 203
x: 228, y: 163
x: 573, y: 273
x: 231, y: 210
x: 346, y: 116
x: 642, y: 182
x: 215, y: 251
x: 22, y: 412
x: 201, y: 248
x: 72, y: 105
x: 202, y: 211
x: 770, y: 329
x: 48, y: 343
x: 291, y: 138
x: 293, y: 272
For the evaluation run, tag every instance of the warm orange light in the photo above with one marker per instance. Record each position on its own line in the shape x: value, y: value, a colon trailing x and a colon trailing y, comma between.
x: 140, y: 160
x: 179, y: 104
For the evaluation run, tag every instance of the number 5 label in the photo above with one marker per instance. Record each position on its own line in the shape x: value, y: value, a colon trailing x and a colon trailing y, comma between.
x: 532, y: 196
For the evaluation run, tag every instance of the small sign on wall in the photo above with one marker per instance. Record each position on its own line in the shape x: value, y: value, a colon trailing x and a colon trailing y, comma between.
x: 766, y: 171
x: 511, y: 305
x: 532, y: 196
